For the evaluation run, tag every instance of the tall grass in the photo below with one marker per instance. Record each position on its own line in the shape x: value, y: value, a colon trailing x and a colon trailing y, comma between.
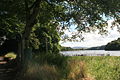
x: 36, y: 71
x: 45, y: 67
x: 101, y: 68
x: 56, y: 67
x: 77, y: 70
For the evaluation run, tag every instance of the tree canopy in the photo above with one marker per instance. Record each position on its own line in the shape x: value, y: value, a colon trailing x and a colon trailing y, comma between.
x: 25, y: 17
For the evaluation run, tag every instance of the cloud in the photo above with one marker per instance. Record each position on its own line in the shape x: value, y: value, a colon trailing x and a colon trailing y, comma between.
x: 94, y: 39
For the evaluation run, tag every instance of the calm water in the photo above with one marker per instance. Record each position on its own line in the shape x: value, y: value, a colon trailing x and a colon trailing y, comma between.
x: 91, y: 53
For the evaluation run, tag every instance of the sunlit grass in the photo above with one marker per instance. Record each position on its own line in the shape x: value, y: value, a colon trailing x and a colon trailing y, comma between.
x: 11, y: 55
x: 101, y: 67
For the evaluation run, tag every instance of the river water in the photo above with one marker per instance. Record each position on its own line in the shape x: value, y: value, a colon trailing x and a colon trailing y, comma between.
x: 90, y: 53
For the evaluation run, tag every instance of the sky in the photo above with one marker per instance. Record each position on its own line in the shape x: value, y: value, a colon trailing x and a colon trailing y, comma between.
x: 94, y: 39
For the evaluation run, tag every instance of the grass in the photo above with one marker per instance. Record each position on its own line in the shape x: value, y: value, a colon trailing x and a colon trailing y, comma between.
x: 44, y: 67
x: 11, y: 55
x: 100, y: 67
x: 41, y: 72
x: 77, y: 68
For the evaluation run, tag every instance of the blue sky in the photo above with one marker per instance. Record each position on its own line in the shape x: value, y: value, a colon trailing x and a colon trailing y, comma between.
x: 94, y: 39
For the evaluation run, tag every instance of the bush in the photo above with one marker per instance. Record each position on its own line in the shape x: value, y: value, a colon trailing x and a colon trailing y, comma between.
x: 52, y: 59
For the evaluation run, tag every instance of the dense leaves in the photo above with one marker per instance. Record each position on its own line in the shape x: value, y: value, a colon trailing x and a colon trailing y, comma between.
x: 38, y: 20
x: 48, y: 38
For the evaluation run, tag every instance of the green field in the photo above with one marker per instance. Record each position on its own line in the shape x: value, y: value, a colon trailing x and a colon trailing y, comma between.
x: 97, y: 68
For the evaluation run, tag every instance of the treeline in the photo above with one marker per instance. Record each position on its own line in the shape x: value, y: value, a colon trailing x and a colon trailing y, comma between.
x: 69, y: 49
x: 97, y: 48
x: 66, y: 48
x: 113, y: 45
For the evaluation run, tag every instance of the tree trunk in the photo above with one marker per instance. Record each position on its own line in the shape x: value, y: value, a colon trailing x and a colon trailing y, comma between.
x: 24, y: 51
x: 31, y: 15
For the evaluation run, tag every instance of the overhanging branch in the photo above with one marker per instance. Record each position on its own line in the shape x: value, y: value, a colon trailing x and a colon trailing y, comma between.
x: 34, y: 4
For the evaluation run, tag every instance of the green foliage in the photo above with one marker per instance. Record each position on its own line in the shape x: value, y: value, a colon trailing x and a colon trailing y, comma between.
x: 52, y: 59
x: 114, y: 45
x: 15, y: 14
x: 82, y: 12
x: 10, y: 22
x: 48, y: 38
x: 34, y: 42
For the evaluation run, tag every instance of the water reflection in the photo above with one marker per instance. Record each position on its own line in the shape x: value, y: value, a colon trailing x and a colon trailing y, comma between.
x: 91, y: 53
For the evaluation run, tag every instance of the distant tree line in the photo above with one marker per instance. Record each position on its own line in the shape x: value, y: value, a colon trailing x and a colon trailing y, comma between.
x: 70, y: 49
x: 66, y: 48
x: 97, y: 48
x: 113, y: 45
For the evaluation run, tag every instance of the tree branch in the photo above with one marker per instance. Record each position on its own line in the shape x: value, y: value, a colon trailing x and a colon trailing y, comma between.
x: 34, y: 4
x: 31, y: 20
x: 27, y: 9
x: 35, y: 11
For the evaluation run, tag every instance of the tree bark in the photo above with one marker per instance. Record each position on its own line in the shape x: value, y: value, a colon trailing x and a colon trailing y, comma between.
x: 31, y: 15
